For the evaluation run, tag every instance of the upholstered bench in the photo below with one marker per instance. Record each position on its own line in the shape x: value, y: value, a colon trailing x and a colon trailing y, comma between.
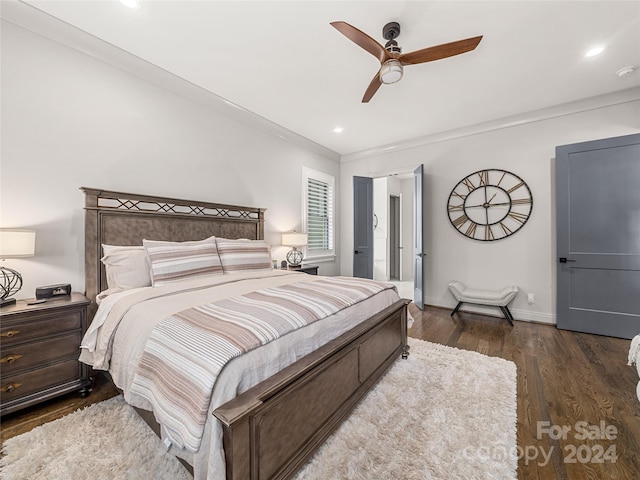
x: 492, y: 298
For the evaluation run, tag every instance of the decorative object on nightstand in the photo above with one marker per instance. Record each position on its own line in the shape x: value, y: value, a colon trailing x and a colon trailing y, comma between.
x: 40, y: 345
x: 294, y: 240
x: 51, y: 291
x: 14, y: 243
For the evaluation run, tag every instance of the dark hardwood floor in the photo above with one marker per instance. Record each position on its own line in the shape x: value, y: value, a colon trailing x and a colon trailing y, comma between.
x: 575, y: 393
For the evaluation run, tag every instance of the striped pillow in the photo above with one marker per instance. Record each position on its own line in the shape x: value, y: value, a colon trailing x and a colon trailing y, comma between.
x: 175, y: 261
x: 242, y: 255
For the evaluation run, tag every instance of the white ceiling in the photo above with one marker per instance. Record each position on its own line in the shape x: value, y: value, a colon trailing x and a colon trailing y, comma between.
x: 283, y: 61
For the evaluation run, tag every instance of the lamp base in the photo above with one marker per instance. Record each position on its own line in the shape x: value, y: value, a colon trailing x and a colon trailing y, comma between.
x: 10, y: 284
x: 5, y: 302
x: 294, y: 257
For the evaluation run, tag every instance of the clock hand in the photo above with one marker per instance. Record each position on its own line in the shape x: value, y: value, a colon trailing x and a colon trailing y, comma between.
x: 486, y: 204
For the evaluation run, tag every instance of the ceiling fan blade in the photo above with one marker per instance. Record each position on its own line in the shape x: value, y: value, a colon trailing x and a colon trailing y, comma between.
x: 363, y: 40
x: 440, y: 51
x: 372, y: 88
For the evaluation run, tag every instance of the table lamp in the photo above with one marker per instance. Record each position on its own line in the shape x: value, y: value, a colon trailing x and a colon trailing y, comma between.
x: 294, y: 240
x: 14, y: 243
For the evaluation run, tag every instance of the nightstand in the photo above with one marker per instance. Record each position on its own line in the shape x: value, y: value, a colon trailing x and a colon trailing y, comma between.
x: 40, y: 346
x: 310, y: 269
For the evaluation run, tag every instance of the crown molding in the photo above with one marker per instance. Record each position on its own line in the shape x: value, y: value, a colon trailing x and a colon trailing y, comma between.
x: 41, y: 23
x: 592, y: 103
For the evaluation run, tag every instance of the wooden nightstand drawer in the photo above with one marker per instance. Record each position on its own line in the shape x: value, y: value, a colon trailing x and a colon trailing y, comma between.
x: 40, y: 347
x: 17, y: 386
x: 24, y: 356
x: 39, y: 326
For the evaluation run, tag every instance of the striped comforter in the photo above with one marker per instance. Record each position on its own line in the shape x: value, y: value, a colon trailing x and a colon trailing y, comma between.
x: 186, y: 351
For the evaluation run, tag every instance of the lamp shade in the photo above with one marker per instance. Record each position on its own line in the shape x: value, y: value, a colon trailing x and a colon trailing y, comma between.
x: 17, y: 243
x: 294, y: 239
x: 391, y: 72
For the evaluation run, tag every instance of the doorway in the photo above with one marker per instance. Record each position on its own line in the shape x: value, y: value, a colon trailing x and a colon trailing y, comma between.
x: 388, y: 226
x: 392, y: 227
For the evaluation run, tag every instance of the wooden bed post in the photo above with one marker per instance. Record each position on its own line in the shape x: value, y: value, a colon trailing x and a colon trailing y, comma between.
x: 91, y: 255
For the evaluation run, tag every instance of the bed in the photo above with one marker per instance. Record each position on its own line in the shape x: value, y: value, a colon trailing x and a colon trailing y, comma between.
x: 271, y: 407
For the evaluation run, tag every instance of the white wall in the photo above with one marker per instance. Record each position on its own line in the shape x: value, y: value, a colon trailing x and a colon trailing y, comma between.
x: 380, y: 232
x: 69, y: 120
x: 527, y: 258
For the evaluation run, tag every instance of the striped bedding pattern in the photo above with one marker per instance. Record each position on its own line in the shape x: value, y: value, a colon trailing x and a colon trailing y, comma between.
x: 175, y: 261
x: 186, y: 351
x: 242, y: 255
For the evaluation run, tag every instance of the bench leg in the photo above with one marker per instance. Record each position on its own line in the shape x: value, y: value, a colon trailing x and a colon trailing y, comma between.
x: 456, y: 309
x: 507, y: 314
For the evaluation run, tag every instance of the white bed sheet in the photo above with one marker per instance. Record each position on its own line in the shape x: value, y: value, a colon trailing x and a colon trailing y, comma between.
x: 118, y: 345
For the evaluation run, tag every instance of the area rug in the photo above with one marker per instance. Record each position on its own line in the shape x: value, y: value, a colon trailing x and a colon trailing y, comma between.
x: 444, y: 413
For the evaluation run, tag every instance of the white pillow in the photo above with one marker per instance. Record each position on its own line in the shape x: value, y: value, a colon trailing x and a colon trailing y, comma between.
x: 242, y: 255
x: 175, y: 261
x: 126, y: 267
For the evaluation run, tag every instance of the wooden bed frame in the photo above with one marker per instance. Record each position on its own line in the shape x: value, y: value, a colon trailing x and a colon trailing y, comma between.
x: 271, y: 430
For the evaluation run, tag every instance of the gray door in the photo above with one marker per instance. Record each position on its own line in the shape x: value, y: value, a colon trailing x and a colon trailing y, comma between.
x: 418, y: 247
x: 363, y: 227
x: 598, y: 236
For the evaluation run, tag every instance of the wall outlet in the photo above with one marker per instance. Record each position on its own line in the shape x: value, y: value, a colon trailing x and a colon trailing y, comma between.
x: 530, y: 299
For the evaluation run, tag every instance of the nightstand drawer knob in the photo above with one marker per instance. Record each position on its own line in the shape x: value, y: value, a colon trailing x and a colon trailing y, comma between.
x: 10, y: 333
x: 10, y: 358
x: 10, y: 388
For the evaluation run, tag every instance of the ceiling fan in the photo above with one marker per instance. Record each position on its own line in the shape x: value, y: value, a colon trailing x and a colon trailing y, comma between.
x: 392, y: 60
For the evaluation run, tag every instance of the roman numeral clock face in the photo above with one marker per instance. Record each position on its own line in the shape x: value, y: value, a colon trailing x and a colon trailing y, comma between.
x: 489, y: 205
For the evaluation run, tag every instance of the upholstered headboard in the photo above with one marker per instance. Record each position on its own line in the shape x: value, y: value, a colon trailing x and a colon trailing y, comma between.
x: 116, y: 218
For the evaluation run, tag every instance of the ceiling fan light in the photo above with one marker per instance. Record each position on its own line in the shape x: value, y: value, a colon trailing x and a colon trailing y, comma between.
x: 391, y: 71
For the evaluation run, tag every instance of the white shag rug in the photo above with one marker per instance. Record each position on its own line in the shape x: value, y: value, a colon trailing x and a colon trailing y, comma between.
x: 443, y: 413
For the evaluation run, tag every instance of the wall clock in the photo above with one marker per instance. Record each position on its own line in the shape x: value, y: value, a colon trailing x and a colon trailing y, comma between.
x: 490, y: 204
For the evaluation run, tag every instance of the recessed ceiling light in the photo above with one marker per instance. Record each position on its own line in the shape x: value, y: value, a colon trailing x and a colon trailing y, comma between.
x: 130, y: 3
x: 623, y: 72
x: 338, y: 130
x: 597, y: 50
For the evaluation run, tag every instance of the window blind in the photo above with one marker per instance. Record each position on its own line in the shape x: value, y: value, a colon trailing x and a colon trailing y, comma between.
x: 319, y: 216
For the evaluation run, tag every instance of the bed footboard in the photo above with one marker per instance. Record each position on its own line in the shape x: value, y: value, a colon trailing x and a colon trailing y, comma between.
x: 271, y: 430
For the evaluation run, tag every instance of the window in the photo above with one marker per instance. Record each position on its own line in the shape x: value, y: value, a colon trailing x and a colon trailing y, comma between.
x: 318, y: 191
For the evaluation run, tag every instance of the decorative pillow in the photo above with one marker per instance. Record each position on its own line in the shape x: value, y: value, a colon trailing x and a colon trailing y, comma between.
x: 175, y: 261
x: 241, y: 255
x: 126, y: 267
